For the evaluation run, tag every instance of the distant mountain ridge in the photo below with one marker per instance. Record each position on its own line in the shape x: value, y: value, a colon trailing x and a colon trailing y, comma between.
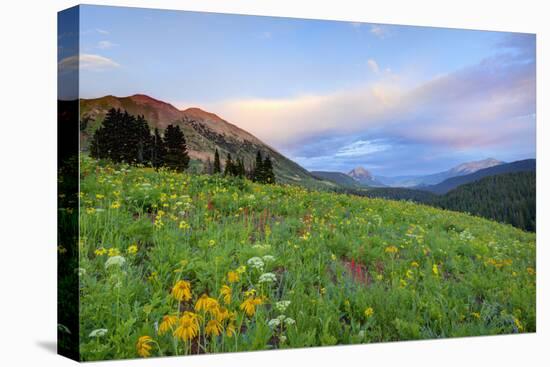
x: 452, y: 183
x: 435, y: 178
x: 363, y: 176
x: 204, y: 133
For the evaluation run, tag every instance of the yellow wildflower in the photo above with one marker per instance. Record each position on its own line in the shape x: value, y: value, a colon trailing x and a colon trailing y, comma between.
x: 100, y: 251
x: 230, y: 329
x: 249, y: 305
x: 113, y: 252
x: 518, y: 324
x: 530, y: 271
x: 226, y: 293
x: 476, y: 315
x: 183, y: 225
x: 167, y: 323
x: 233, y: 277
x: 182, y: 290
x: 115, y: 205
x: 241, y: 269
x: 205, y: 303
x: 99, y: 196
x: 143, y: 346
x: 369, y: 311
x: 213, y: 328
x: 188, y: 326
x: 132, y: 249
x: 415, y: 264
x: 391, y: 249
x: 435, y: 269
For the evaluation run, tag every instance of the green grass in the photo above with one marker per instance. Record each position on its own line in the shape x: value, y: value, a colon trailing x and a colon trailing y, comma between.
x: 424, y: 272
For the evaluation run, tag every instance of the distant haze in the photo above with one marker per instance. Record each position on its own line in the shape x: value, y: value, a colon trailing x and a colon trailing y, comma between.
x: 332, y: 96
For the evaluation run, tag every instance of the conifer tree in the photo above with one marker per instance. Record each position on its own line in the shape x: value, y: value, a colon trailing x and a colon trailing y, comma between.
x: 176, y: 149
x: 217, y: 165
x: 158, y: 150
x: 269, y: 175
x: 258, y: 171
x: 228, y: 165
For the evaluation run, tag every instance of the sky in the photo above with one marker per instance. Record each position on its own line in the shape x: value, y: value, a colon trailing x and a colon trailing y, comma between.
x: 331, y: 95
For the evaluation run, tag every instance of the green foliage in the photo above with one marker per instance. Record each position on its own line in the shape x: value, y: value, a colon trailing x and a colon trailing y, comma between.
x: 176, y: 156
x: 424, y: 272
x: 217, y: 165
x: 508, y: 198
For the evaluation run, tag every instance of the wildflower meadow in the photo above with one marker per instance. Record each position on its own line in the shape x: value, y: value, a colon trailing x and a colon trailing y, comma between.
x: 177, y: 264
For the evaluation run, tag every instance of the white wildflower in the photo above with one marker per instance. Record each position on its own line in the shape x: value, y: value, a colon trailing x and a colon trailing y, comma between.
x: 115, y: 260
x: 97, y: 333
x: 273, y: 323
x: 289, y: 321
x: 267, y: 278
x: 281, y: 306
x: 268, y: 258
x: 256, y: 263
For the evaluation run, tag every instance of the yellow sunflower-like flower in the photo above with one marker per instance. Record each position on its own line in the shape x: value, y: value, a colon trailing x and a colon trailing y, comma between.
x: 132, y: 249
x: 233, y: 277
x: 182, y: 290
x: 391, y: 250
x: 249, y: 305
x: 113, y: 252
x: 205, y: 303
x: 226, y: 293
x: 167, y: 323
x: 369, y: 311
x: 143, y: 346
x: 100, y: 251
x: 230, y: 329
x: 188, y: 326
x: 435, y: 269
x: 213, y: 328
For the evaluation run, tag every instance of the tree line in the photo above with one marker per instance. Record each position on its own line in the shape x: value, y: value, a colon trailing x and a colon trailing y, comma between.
x: 261, y: 172
x: 123, y: 137
x: 508, y: 198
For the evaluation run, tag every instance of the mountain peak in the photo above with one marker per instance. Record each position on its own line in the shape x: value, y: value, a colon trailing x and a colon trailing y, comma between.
x: 360, y: 173
x: 471, y: 167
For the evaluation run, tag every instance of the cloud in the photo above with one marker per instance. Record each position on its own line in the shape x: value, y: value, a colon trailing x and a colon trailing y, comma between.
x: 86, y: 62
x: 379, y: 31
x: 361, y: 148
x: 373, y: 66
x: 104, y: 45
x: 101, y: 31
x: 356, y: 25
x: 489, y: 104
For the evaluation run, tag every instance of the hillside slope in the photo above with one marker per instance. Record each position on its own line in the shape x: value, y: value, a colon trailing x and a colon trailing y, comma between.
x: 349, y: 269
x: 204, y: 132
x: 454, y: 182
x: 509, y: 198
x: 339, y: 178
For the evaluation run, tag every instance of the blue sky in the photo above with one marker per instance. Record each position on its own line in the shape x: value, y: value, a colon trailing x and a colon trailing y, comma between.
x: 330, y: 95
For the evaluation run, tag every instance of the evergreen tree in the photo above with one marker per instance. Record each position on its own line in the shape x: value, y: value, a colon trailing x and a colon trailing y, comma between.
x: 217, y: 165
x: 258, y: 171
x: 269, y: 175
x: 228, y: 165
x: 176, y: 150
x: 208, y: 168
x: 158, y: 150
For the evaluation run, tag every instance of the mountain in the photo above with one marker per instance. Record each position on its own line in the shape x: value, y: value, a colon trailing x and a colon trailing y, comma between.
x: 338, y: 178
x: 204, y: 132
x: 361, y: 175
x: 435, y: 178
x: 508, y: 198
x: 451, y: 183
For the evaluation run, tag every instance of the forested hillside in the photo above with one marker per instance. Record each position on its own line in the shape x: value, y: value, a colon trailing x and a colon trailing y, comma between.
x: 509, y: 198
